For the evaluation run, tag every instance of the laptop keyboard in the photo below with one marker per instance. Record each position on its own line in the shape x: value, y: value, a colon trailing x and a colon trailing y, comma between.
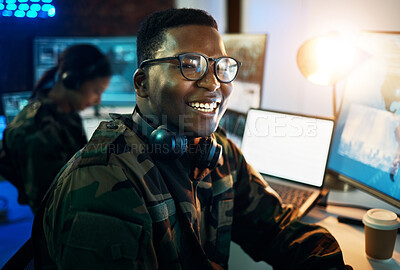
x: 291, y: 195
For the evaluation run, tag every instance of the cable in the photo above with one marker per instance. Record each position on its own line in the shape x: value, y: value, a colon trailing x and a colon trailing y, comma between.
x: 348, y: 205
x: 354, y: 206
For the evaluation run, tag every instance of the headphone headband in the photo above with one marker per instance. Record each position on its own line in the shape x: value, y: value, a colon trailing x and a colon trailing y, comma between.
x: 73, y: 79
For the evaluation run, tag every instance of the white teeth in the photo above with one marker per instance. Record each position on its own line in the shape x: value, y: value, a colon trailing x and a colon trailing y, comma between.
x: 203, y: 107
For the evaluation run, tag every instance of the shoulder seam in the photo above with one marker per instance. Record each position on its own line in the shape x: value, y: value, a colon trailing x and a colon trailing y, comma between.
x: 96, y: 151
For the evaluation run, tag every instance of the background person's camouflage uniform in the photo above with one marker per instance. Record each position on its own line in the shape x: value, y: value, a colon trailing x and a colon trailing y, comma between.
x: 36, y: 144
x: 114, y: 207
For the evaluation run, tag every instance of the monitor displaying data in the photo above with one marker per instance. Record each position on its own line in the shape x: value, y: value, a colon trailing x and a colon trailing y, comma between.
x: 120, y: 50
x: 366, y: 145
x: 13, y: 103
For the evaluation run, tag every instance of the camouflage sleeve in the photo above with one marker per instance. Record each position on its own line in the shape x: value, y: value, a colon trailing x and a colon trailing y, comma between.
x: 38, y: 145
x: 95, y: 219
x: 269, y: 232
x: 37, y: 157
x: 44, y: 157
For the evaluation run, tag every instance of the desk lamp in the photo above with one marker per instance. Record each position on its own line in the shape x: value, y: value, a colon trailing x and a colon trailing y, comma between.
x: 324, y: 60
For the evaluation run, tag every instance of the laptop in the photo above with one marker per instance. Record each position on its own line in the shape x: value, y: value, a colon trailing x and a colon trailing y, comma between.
x: 291, y: 153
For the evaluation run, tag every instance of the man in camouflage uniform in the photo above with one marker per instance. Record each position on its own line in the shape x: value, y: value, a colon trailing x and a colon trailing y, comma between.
x: 117, y: 205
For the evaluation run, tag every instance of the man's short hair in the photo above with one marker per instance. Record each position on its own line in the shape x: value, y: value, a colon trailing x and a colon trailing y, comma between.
x: 152, y: 30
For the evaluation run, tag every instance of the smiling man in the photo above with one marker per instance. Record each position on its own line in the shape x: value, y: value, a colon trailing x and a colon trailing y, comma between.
x: 189, y: 88
x: 164, y: 188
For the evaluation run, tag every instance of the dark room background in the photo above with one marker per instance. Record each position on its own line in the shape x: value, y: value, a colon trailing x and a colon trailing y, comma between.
x: 74, y: 18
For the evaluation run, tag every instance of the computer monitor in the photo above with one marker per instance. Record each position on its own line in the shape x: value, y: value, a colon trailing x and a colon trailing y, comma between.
x: 3, y: 125
x: 13, y: 103
x: 234, y: 122
x: 120, y: 50
x: 366, y: 145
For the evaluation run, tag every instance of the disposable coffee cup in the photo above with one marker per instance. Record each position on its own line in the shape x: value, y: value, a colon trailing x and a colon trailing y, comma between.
x: 380, y: 233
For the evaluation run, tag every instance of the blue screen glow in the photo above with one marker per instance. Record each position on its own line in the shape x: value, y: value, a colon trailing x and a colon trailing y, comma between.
x: 27, y: 8
x: 7, y: 13
x: 23, y: 7
x: 3, y: 125
x: 366, y: 145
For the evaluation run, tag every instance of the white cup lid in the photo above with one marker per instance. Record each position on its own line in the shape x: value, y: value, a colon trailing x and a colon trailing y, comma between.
x: 381, y: 219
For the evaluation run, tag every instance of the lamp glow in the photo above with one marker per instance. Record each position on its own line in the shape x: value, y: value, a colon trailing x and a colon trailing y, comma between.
x: 11, y: 6
x: 25, y: 8
x: 36, y: 7
x: 31, y: 14
x: 7, y: 13
x: 324, y: 60
x: 51, y: 12
x: 19, y: 13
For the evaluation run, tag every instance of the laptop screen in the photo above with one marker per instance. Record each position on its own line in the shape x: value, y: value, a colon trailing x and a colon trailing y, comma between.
x: 287, y: 146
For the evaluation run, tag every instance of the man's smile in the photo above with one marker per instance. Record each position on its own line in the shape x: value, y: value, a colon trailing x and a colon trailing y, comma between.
x: 204, y: 106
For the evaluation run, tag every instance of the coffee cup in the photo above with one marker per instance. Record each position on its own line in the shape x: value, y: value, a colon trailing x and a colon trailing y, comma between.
x: 380, y: 233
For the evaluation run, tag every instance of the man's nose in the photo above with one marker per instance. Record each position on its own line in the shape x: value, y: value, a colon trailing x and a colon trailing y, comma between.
x: 209, y: 81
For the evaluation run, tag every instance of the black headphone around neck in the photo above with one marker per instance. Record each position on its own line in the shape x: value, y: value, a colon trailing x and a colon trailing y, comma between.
x: 74, y: 79
x: 162, y: 142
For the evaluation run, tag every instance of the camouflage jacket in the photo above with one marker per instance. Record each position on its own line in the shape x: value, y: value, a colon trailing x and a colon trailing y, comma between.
x: 115, y: 207
x: 37, y: 143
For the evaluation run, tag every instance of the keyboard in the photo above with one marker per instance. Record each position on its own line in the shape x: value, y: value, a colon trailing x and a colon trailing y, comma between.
x: 291, y: 195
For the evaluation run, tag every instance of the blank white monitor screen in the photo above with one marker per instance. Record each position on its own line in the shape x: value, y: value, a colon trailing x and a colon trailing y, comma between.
x: 287, y: 146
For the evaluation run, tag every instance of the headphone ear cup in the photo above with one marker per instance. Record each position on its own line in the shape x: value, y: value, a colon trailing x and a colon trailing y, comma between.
x: 210, y: 153
x: 70, y: 81
x: 165, y: 143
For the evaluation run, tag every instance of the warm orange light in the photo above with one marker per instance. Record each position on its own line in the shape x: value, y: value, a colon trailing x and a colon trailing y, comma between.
x: 326, y: 59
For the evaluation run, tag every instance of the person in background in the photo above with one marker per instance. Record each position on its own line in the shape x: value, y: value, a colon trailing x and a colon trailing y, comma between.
x: 163, y: 188
x: 48, y: 131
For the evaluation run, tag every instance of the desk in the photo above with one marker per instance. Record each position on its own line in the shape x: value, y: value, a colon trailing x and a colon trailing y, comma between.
x: 350, y: 237
x: 17, y: 228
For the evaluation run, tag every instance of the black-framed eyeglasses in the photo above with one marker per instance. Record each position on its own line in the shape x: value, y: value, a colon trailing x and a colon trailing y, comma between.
x: 194, y: 66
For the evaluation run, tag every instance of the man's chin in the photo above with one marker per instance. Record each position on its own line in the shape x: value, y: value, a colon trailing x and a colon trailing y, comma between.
x: 199, y: 133
x: 202, y: 129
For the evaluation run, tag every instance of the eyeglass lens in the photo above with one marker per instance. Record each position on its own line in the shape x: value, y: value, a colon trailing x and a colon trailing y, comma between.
x: 194, y: 66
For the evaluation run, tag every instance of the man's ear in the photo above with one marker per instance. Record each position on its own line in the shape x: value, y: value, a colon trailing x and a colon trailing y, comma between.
x: 140, y: 83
